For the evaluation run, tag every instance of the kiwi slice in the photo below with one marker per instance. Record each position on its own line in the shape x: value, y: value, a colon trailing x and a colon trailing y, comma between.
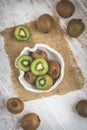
x: 75, y: 27
x: 45, y: 23
x: 30, y: 77
x: 39, y: 66
x: 22, y: 33
x: 81, y: 108
x: 44, y: 82
x: 65, y: 8
x: 39, y: 54
x: 24, y: 62
x: 54, y: 69
x: 30, y: 121
x: 15, y: 105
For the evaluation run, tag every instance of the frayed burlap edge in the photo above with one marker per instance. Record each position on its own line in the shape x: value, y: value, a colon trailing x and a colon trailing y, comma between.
x: 73, y: 77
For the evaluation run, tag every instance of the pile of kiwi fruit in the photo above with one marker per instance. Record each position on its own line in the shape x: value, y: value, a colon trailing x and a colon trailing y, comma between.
x: 38, y: 69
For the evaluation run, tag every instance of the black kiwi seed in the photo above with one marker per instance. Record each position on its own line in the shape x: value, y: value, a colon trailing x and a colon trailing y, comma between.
x: 81, y: 108
x: 15, y: 105
x: 65, y: 8
x: 75, y: 28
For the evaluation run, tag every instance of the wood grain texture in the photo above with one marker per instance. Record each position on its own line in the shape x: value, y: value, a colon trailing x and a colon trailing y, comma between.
x: 56, y: 112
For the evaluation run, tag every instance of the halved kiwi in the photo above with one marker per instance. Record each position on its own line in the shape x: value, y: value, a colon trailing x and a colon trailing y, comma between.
x: 22, y: 33
x: 65, y: 8
x: 81, y: 108
x: 30, y: 121
x: 39, y: 54
x: 24, y: 62
x: 54, y: 69
x: 75, y: 27
x: 39, y: 66
x: 45, y: 23
x: 44, y: 82
x: 15, y: 105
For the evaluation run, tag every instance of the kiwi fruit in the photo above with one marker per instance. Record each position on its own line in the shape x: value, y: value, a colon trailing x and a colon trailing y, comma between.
x: 39, y: 54
x: 81, y: 108
x: 22, y: 33
x: 54, y: 69
x: 45, y: 23
x: 15, y: 105
x: 75, y: 28
x: 30, y: 121
x: 65, y: 8
x: 24, y: 62
x: 44, y: 82
x: 39, y: 66
x: 30, y: 77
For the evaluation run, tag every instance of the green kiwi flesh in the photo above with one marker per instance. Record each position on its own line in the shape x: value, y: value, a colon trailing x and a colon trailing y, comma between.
x: 39, y: 66
x: 75, y: 28
x: 24, y: 62
x: 65, y: 8
x: 44, y: 82
x: 81, y: 108
x: 22, y: 33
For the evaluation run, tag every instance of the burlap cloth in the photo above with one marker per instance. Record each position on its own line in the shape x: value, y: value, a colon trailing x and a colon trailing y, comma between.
x: 73, y: 78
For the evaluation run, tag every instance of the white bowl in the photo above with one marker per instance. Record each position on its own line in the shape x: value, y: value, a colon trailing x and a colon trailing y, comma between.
x: 52, y: 55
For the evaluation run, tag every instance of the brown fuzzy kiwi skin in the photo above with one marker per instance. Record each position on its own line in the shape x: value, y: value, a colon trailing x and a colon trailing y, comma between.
x: 30, y: 121
x: 75, y: 28
x: 50, y: 82
x: 54, y: 69
x: 15, y: 105
x: 30, y: 77
x: 39, y: 54
x: 65, y: 8
x: 81, y: 108
x: 45, y: 23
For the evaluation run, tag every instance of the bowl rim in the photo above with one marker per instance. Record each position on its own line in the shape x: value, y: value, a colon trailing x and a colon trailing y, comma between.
x: 21, y: 76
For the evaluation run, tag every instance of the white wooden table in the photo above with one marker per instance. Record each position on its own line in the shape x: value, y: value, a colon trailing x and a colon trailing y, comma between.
x: 56, y: 112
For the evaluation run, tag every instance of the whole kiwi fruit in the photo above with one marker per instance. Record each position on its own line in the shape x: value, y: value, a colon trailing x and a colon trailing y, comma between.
x: 54, y: 69
x: 39, y: 54
x: 30, y: 121
x: 45, y: 23
x: 30, y: 77
x: 81, y: 108
x: 75, y: 28
x: 65, y: 8
x: 15, y: 105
